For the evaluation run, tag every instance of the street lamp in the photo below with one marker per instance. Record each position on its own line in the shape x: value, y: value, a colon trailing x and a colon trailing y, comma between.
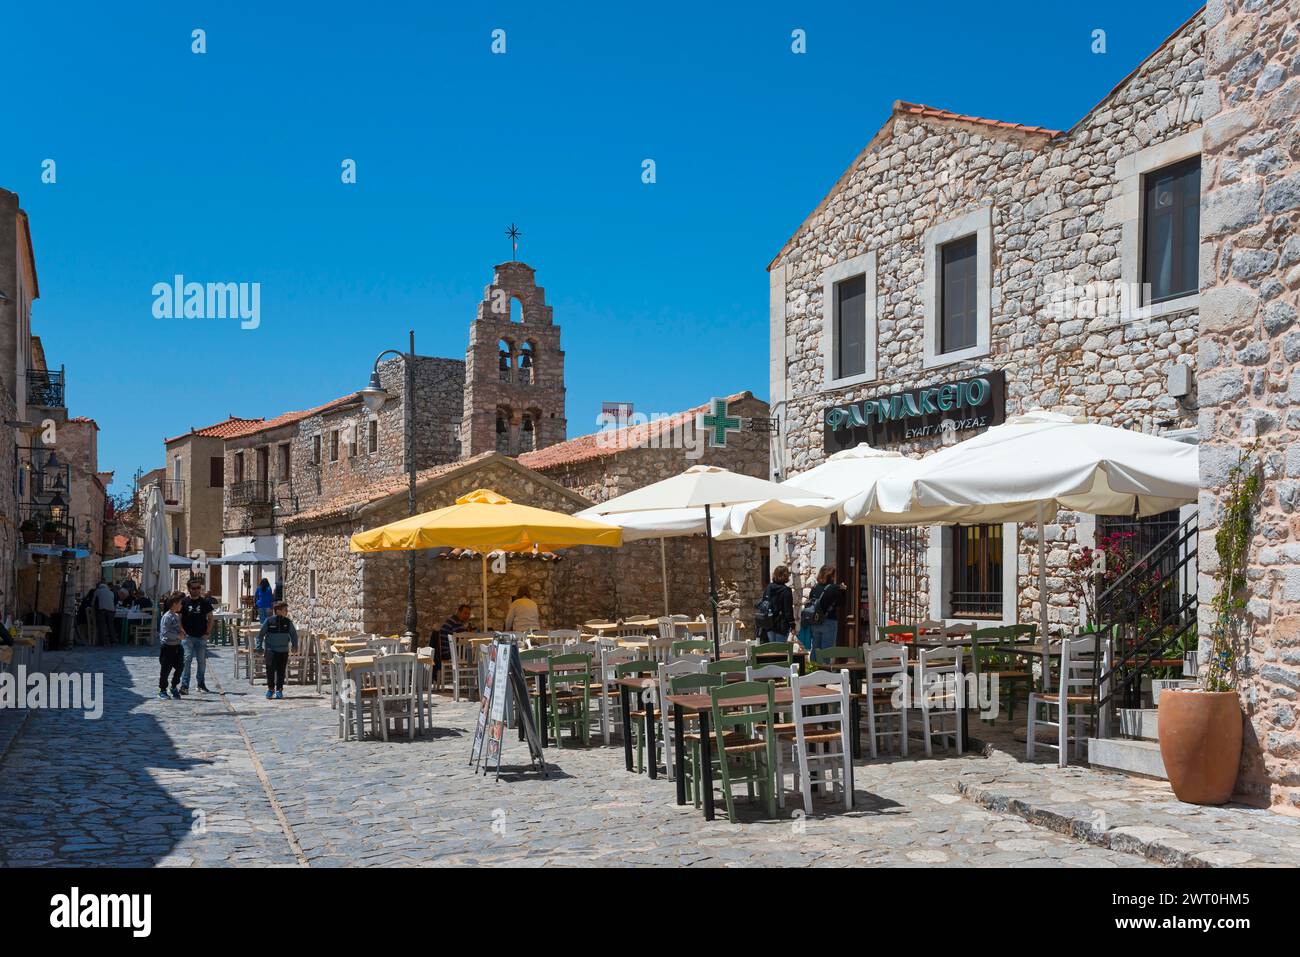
x: 374, y: 395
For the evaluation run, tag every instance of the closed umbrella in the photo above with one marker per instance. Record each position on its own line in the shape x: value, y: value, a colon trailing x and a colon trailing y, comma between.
x: 154, y: 567
x: 485, y: 521
x: 702, y: 488
x: 1036, y: 463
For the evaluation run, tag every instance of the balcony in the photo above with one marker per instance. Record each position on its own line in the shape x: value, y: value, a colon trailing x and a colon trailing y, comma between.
x: 250, y: 493
x: 173, y: 493
x: 45, y: 388
x: 44, y: 524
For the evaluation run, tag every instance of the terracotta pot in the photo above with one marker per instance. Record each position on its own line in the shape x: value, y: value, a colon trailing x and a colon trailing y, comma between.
x: 1200, y: 742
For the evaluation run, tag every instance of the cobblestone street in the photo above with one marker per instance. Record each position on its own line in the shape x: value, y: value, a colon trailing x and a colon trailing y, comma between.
x: 232, y: 779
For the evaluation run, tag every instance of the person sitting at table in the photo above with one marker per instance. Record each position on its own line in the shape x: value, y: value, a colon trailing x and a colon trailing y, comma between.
x: 457, y: 622
x: 523, y: 615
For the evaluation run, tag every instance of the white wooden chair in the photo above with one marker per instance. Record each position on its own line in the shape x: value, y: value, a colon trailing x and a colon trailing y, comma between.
x: 685, y: 665
x: 565, y: 634
x: 728, y: 629
x: 609, y: 657
x: 395, y: 690
x: 942, y: 693
x: 352, y: 695
x: 463, y: 668
x: 660, y: 649
x: 243, y: 653
x: 667, y: 628
x: 823, y: 739
x: 886, y: 674
x: 1072, y: 700
x: 735, y: 647
x: 424, y: 685
x: 386, y: 646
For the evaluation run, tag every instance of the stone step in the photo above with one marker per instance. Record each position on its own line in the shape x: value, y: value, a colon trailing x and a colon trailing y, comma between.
x: 1143, y: 723
x: 1130, y: 755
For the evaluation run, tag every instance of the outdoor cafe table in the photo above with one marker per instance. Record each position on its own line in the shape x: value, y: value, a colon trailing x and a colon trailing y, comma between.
x: 358, y: 665
x: 128, y: 616
x: 702, y: 705
x: 541, y: 671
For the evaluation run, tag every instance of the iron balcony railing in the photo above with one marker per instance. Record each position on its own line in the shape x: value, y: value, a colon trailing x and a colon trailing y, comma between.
x: 250, y: 492
x: 45, y: 388
x: 173, y: 492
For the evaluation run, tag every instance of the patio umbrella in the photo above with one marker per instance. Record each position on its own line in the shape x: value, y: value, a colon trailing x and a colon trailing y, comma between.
x: 704, y: 487
x: 154, y: 567
x: 136, y: 560
x: 485, y: 521
x: 1041, y: 461
x: 247, y: 558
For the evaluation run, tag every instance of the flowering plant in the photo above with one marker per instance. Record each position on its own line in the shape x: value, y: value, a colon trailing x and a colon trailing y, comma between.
x: 1232, y: 541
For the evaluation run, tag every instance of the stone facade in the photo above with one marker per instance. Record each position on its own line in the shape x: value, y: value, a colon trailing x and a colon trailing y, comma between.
x: 514, y: 369
x: 1055, y: 220
x: 1250, y: 344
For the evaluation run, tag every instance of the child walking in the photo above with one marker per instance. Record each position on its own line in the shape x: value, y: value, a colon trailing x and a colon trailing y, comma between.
x: 277, y: 635
x: 171, y: 655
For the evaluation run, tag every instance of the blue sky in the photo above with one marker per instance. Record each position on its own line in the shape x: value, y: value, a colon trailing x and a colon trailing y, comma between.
x: 226, y: 167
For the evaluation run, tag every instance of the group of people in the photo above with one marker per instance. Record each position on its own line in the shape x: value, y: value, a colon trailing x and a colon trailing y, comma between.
x: 817, y: 624
x: 183, y: 639
x: 522, y: 616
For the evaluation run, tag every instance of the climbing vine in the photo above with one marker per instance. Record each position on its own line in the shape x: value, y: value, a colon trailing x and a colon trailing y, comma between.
x: 1231, y: 541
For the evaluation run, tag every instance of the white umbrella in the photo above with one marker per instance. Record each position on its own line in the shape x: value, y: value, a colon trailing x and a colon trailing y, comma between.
x: 136, y: 560
x: 1039, y: 462
x: 246, y: 558
x: 702, y: 487
x: 154, y: 566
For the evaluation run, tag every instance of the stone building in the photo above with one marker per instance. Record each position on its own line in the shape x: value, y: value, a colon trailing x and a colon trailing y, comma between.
x: 1249, y: 386
x: 335, y: 590
x: 1017, y: 266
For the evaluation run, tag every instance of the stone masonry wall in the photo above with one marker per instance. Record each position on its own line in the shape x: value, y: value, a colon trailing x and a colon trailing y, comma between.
x: 1250, y: 345
x: 1054, y: 206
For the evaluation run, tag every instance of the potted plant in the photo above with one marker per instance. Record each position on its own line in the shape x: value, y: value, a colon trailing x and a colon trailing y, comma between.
x: 1201, y: 728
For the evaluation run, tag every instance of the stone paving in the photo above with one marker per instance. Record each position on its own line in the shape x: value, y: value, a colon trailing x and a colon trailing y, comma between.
x: 177, y: 783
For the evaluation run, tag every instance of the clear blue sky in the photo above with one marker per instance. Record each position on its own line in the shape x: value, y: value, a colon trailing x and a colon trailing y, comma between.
x: 226, y: 167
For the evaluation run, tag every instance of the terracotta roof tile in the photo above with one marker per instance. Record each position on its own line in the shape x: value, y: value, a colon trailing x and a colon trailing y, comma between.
x: 613, y: 441
x: 219, y: 430
x: 84, y: 420
x: 254, y: 426
x: 920, y: 109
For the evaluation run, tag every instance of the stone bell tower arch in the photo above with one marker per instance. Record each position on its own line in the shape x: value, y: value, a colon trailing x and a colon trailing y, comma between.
x: 514, y: 368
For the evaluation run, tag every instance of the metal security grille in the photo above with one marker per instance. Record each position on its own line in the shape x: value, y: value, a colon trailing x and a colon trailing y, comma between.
x: 977, y: 571
x: 898, y: 555
x: 1140, y: 536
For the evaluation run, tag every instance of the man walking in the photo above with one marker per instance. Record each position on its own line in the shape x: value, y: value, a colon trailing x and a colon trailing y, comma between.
x: 105, y: 602
x: 196, y: 621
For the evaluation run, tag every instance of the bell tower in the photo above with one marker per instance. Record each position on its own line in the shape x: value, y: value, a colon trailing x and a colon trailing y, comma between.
x: 514, y: 369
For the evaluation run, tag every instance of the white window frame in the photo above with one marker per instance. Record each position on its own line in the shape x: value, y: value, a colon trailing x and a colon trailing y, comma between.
x: 865, y: 266
x: 1125, y: 210
x: 939, y: 561
x: 978, y: 223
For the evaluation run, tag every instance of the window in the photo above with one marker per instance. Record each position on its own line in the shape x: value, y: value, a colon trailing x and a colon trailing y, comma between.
x: 239, y: 466
x: 216, y: 472
x: 850, y: 327
x: 957, y: 288
x: 311, y: 584
x: 1171, y: 211
x: 352, y: 440
x: 977, y: 571
x: 176, y: 469
x: 849, y: 321
x: 372, y: 442
x: 284, y: 462
x: 334, y: 445
x: 315, y: 450
x: 957, y: 295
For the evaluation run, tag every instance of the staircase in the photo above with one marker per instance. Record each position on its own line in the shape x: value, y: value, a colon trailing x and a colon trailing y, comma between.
x: 1149, y: 614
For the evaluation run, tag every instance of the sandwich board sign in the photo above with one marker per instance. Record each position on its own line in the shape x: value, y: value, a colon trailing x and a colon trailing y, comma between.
x: 505, y: 684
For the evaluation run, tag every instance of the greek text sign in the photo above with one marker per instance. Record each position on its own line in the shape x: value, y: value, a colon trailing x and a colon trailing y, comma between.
x: 925, y: 412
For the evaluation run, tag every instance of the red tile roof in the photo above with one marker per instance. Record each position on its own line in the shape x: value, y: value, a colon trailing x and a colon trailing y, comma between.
x: 254, y: 426
x: 920, y: 109
x: 612, y: 441
x: 219, y: 430
x: 340, y: 504
x: 84, y: 420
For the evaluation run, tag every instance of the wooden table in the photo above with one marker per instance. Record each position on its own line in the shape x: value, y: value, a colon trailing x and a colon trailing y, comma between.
x: 359, y: 665
x: 541, y: 670
x: 702, y: 705
x: 625, y: 687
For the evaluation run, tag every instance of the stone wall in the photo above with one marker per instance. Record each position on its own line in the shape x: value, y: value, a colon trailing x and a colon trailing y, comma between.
x: 1250, y: 344
x: 1056, y: 208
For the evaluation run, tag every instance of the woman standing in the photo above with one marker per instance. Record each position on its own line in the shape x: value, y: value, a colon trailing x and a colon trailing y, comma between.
x: 776, y: 607
x: 826, y: 597
x: 264, y: 599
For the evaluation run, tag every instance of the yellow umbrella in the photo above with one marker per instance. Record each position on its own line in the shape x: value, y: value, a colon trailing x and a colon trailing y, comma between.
x: 485, y: 521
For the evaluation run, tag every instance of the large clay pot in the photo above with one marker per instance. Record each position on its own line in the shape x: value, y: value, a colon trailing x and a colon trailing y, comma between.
x: 1200, y: 742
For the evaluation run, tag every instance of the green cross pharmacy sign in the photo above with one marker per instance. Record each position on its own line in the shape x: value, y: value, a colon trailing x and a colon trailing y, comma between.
x: 717, y: 423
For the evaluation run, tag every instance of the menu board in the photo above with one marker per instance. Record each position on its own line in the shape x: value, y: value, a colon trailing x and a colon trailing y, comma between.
x: 485, y: 703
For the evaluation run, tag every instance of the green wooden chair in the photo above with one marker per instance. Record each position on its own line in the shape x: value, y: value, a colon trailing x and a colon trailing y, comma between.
x: 727, y: 666
x: 535, y: 698
x: 690, y: 684
x: 570, y: 696
x: 987, y: 662
x: 772, y: 653
x: 637, y: 669
x: 691, y: 648
x: 742, y: 754
x: 838, y: 654
x: 895, y: 632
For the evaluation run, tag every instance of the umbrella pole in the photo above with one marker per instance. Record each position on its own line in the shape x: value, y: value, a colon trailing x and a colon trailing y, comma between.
x: 713, y: 584
x: 484, y: 623
x: 873, y: 595
x: 1042, y: 593
x: 663, y: 563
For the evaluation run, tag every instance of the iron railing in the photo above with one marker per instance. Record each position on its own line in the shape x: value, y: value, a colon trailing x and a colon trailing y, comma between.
x: 173, y: 492
x: 250, y: 492
x: 45, y: 388
x: 1147, y: 613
